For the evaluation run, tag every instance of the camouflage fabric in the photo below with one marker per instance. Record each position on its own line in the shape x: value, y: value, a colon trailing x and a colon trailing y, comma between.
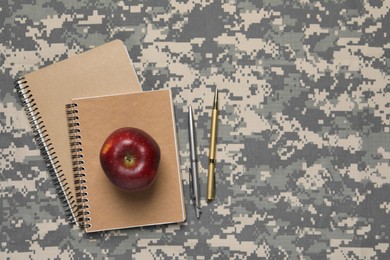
x: 303, y: 153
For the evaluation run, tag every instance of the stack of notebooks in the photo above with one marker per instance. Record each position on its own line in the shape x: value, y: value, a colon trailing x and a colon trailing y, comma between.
x: 103, y: 85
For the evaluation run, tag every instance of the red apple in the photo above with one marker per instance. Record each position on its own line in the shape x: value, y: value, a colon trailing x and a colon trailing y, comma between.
x: 130, y: 158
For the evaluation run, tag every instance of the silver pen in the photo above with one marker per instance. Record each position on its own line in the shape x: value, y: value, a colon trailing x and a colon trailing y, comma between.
x: 194, y: 179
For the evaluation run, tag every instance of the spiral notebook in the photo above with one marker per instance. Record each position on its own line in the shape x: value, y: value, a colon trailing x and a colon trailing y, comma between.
x: 101, y: 204
x: 106, y: 69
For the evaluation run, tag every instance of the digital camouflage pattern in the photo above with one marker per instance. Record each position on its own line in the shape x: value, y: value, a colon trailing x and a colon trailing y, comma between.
x: 303, y: 153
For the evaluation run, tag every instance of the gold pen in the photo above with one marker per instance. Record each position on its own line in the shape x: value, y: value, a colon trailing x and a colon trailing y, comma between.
x: 213, y: 142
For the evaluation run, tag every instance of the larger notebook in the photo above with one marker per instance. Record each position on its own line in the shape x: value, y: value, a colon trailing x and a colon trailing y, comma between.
x: 106, y: 69
x: 104, y: 206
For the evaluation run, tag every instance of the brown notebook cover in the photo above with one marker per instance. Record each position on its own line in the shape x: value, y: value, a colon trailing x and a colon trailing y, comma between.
x: 105, y: 206
x: 103, y: 70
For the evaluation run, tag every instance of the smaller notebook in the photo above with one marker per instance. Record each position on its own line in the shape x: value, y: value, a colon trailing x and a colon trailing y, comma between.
x: 101, y: 205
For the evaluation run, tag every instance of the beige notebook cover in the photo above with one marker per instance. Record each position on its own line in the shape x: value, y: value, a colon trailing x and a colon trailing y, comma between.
x: 105, y: 206
x: 103, y: 70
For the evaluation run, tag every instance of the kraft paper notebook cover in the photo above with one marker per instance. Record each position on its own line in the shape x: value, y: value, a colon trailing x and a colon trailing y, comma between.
x: 106, y: 69
x: 104, y: 206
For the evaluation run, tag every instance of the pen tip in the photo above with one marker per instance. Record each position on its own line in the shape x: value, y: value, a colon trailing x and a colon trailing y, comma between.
x: 215, y: 104
x: 198, y: 213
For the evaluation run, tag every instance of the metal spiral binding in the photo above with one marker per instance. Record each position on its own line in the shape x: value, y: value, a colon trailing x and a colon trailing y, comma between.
x: 44, y: 144
x: 78, y: 167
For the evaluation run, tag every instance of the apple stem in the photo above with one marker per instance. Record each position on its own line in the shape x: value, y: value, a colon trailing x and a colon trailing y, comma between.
x: 129, y: 160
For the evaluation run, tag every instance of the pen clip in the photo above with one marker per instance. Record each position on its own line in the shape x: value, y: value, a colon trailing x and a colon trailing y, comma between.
x: 192, y: 195
x: 215, y: 185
